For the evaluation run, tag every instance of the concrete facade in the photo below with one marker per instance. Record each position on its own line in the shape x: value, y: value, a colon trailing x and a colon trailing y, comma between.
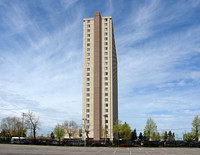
x: 100, y: 91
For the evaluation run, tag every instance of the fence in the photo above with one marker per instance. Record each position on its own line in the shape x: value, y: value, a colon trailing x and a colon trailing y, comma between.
x: 78, y: 142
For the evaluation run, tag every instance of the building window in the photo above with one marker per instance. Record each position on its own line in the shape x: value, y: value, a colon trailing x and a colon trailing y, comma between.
x: 88, y: 74
x: 88, y: 35
x: 88, y: 30
x: 88, y: 121
x: 106, y: 73
x: 88, y: 39
x: 106, y: 24
x: 88, y: 89
x: 106, y: 110
x: 106, y: 38
x: 88, y: 94
x: 106, y: 33
x: 106, y: 19
x: 106, y: 63
x: 88, y: 69
x: 88, y: 44
x: 106, y: 83
x: 88, y: 49
x: 106, y: 99
x: 106, y: 48
x: 88, y: 21
x: 88, y: 59
x: 106, y: 58
x: 88, y: 25
x: 87, y: 110
x: 88, y: 84
x: 88, y: 79
x: 106, y: 105
x: 106, y: 68
x: 87, y: 100
x: 88, y: 54
x: 106, y: 53
x: 106, y: 94
x: 106, y: 121
x: 88, y: 116
x: 88, y: 105
x: 106, y: 29
x: 106, y: 43
x: 106, y: 89
x: 106, y: 78
x: 88, y: 64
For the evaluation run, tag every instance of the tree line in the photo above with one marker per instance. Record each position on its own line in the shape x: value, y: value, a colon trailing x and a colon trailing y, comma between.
x: 18, y: 127
x: 123, y: 132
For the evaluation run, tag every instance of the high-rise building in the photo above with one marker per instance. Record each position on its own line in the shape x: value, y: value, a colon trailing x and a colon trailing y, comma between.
x: 100, y: 90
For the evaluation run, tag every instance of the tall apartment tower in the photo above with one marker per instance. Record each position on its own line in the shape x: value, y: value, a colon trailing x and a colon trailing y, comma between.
x: 100, y: 90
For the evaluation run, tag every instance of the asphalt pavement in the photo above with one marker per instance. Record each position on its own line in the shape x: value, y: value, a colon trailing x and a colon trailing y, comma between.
x: 11, y: 149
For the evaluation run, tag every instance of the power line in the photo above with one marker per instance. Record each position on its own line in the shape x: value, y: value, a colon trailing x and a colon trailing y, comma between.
x: 170, y: 129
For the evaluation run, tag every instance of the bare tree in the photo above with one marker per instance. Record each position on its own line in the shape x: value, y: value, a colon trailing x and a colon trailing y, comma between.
x: 70, y: 127
x: 32, y: 122
x: 13, y: 126
x: 6, y: 125
x: 19, y: 129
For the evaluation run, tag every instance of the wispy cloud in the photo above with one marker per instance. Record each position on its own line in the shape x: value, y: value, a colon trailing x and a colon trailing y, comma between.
x: 156, y: 53
x: 158, y: 58
x: 42, y: 69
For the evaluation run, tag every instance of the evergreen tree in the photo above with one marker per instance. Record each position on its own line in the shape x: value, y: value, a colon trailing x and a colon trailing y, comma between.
x: 165, y: 136
x: 133, y: 135
x: 158, y: 136
x: 173, y: 135
x: 153, y: 137
x: 52, y: 135
x: 170, y: 136
x: 141, y: 137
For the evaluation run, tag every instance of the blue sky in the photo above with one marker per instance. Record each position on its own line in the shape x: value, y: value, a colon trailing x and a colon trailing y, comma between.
x: 158, y: 50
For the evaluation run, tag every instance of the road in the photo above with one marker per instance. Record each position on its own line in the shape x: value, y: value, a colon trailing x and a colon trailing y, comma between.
x: 9, y: 149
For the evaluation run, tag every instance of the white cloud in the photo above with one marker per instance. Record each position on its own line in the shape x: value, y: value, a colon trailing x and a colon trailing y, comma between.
x: 68, y: 3
x: 41, y: 69
x: 154, y: 67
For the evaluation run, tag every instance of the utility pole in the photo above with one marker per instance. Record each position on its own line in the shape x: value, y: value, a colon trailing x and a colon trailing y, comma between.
x: 21, y: 128
x: 23, y: 114
x: 105, y: 127
x: 84, y: 119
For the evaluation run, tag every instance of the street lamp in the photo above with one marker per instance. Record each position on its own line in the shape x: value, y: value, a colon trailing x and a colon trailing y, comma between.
x: 84, y: 119
x: 105, y: 127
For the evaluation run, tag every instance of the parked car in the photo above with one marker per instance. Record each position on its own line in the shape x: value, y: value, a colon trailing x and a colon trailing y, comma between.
x: 127, y: 144
x: 18, y: 140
